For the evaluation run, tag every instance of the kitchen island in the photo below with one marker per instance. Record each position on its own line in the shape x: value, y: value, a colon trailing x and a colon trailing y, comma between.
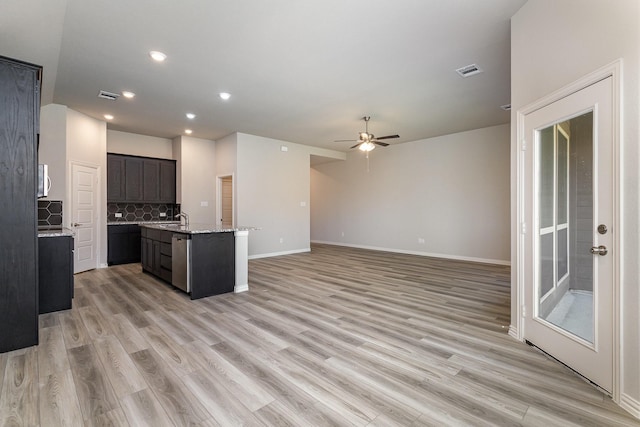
x: 200, y: 259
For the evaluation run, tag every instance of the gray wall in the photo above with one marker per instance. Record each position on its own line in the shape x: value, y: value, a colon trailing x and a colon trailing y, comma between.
x: 451, y: 191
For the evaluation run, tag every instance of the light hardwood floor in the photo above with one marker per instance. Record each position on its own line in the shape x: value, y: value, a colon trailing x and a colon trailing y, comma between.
x: 334, y: 337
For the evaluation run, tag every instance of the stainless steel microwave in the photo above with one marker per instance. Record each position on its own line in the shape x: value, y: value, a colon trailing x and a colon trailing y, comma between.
x: 44, y: 182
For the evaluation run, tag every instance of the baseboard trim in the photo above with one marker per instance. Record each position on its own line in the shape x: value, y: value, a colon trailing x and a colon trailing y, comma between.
x: 241, y: 288
x: 630, y: 405
x: 419, y: 253
x: 513, y: 332
x: 272, y: 254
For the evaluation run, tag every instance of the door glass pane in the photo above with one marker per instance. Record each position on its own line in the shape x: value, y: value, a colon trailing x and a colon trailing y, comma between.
x: 565, y: 230
x: 547, y: 168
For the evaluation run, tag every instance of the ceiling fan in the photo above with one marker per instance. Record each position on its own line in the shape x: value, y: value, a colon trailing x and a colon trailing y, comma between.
x: 368, y: 141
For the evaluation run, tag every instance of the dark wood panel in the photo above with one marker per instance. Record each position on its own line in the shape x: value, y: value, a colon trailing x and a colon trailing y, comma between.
x: 167, y: 181
x: 151, y: 180
x: 116, y: 190
x: 18, y: 185
x: 55, y: 272
x: 212, y: 264
x: 123, y: 244
x: 133, y: 181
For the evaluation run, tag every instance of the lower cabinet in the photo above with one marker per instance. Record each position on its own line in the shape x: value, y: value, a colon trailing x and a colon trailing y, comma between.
x: 55, y: 273
x: 156, y: 252
x: 123, y: 244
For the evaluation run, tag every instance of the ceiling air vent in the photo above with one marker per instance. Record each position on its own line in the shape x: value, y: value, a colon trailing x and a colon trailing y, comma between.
x: 469, y: 70
x: 108, y: 95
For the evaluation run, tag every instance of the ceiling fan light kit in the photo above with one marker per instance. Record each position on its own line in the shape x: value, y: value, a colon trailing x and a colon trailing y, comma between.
x: 367, y: 141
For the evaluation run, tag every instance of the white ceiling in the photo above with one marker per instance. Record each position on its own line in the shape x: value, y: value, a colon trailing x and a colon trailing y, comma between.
x: 299, y: 71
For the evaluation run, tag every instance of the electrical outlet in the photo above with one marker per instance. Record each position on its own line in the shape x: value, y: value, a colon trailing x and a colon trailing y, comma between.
x: 118, y: 214
x: 163, y: 214
x: 421, y: 240
x: 342, y: 233
x: 281, y: 240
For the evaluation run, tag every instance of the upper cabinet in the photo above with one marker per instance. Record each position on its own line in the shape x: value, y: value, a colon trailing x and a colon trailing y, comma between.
x: 140, y: 179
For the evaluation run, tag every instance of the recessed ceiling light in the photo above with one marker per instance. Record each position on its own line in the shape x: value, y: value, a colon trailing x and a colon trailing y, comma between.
x: 157, y: 56
x: 188, y: 131
x: 225, y: 95
x: 128, y: 94
x: 190, y: 116
x: 108, y: 116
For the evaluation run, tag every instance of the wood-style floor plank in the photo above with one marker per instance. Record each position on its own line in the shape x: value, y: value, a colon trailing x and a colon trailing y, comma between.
x: 334, y: 337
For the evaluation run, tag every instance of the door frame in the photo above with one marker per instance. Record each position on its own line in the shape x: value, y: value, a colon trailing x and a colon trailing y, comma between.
x: 614, y: 71
x: 219, y: 198
x: 69, y: 213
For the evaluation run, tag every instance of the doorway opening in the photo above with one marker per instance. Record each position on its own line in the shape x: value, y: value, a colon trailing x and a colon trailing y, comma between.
x: 225, y: 211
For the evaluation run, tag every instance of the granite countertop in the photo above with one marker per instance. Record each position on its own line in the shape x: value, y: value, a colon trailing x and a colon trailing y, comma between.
x: 195, y: 228
x: 55, y: 232
x: 168, y: 221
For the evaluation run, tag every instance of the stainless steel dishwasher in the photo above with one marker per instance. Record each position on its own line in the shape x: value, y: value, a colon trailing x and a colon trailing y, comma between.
x: 181, y: 261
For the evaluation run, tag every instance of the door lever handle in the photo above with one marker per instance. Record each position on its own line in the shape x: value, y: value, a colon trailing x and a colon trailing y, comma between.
x: 599, y: 250
x: 76, y: 224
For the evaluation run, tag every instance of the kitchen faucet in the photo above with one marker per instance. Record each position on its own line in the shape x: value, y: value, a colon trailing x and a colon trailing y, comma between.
x: 185, y: 216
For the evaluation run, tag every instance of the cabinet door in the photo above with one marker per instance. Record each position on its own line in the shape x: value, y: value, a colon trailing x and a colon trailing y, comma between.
x: 115, y: 178
x: 146, y: 253
x: 167, y: 181
x: 156, y: 257
x: 133, y: 179
x: 151, y: 180
x: 55, y: 272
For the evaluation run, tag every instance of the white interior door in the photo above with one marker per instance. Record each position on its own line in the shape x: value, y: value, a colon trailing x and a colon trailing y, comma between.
x: 568, y: 252
x: 85, y: 215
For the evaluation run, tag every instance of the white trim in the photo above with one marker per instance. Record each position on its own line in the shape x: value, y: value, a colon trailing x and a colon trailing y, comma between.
x: 513, y: 333
x: 427, y: 254
x: 613, y: 70
x: 272, y: 254
x: 630, y: 405
x: 99, y: 223
x: 243, y: 288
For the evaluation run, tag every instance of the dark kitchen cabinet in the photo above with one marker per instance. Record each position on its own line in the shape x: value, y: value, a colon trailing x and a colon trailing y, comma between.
x: 19, y: 108
x: 156, y: 253
x: 140, y: 179
x: 167, y: 181
x: 55, y: 272
x: 115, y: 178
x: 123, y: 244
x: 133, y: 179
x: 151, y: 180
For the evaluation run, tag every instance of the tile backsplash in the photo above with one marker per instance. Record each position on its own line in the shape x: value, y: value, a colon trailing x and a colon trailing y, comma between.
x: 141, y: 211
x: 49, y: 213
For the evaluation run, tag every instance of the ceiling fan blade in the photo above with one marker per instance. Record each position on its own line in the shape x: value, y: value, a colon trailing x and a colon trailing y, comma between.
x: 355, y: 145
x: 388, y: 137
x: 345, y: 140
x: 384, y: 144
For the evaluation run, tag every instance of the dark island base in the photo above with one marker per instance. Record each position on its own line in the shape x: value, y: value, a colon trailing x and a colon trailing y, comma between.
x: 212, y: 260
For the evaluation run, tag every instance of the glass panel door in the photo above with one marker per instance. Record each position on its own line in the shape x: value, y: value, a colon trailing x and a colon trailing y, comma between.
x: 565, y: 226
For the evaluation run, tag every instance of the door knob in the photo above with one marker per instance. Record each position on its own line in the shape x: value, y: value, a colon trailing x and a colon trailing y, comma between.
x: 599, y: 250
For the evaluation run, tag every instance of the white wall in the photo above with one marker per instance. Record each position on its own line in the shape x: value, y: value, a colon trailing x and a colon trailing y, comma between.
x: 196, y: 178
x: 52, y: 150
x: 579, y: 37
x: 271, y: 185
x: 139, y: 145
x: 226, y: 164
x: 452, y: 191
x: 87, y: 144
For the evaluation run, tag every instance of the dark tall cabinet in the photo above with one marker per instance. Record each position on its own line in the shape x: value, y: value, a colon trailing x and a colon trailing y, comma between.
x: 19, y: 113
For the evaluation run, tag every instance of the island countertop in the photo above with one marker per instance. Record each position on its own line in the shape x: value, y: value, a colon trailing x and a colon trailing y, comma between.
x: 196, y: 228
